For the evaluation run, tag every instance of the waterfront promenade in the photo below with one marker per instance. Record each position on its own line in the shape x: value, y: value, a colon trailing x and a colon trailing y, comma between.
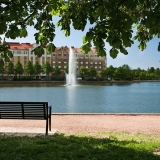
x: 86, y: 123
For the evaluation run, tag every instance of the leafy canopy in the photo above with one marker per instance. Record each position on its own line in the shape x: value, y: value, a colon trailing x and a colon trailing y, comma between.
x: 112, y: 21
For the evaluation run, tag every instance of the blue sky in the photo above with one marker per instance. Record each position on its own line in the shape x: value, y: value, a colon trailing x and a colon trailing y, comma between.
x: 150, y: 57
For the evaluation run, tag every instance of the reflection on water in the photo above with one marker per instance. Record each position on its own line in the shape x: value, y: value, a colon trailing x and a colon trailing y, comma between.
x: 70, y: 98
x: 109, y: 98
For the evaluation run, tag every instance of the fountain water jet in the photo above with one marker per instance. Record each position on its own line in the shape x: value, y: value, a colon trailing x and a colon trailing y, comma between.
x: 71, y: 76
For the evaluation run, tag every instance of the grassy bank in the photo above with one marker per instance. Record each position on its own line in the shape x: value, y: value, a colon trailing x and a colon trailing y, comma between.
x: 100, y: 146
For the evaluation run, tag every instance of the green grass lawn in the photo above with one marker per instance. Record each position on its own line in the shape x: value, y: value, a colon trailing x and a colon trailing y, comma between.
x: 100, y: 146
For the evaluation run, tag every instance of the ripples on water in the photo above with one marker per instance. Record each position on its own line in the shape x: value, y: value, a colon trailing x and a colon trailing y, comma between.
x: 110, y: 98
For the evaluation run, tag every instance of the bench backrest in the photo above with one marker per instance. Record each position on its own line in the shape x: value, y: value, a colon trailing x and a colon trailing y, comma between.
x: 23, y: 110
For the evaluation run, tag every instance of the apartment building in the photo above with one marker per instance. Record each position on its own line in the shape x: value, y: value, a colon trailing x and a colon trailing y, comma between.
x: 23, y: 52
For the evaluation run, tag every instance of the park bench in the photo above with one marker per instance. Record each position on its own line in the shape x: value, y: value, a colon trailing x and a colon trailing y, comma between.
x: 26, y: 110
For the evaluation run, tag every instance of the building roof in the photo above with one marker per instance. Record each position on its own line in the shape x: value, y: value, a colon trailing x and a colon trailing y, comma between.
x: 26, y: 46
x: 19, y: 46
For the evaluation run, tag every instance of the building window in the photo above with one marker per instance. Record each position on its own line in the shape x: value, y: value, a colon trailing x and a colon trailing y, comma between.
x: 95, y: 62
x: 86, y: 66
x: 81, y: 62
x: 18, y: 57
x: 64, y: 55
x: 42, y: 58
x: 53, y: 61
x: 86, y: 62
x: 59, y: 55
x: 53, y: 54
x: 48, y: 58
x: 25, y: 57
x: 59, y: 66
x: 12, y: 52
x: 18, y: 52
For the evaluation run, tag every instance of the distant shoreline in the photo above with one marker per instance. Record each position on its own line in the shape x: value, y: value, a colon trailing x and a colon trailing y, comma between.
x: 63, y: 82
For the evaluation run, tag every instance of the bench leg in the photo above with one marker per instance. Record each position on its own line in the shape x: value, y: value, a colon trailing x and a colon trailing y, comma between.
x: 50, y: 118
x: 46, y: 126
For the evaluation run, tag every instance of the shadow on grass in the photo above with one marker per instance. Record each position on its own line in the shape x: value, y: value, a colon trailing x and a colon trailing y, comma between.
x: 61, y: 147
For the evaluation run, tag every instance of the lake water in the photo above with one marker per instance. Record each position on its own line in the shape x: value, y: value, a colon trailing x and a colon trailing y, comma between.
x: 141, y: 97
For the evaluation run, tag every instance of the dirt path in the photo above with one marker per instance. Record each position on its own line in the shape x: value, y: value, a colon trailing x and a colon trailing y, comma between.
x: 74, y: 124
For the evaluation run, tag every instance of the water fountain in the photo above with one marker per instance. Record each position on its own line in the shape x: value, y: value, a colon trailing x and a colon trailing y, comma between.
x: 71, y: 76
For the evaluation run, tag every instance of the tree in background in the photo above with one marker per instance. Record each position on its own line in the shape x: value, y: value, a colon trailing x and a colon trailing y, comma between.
x: 110, y: 71
x: 123, y: 73
x: 92, y: 72
x: 29, y: 69
x: 136, y: 73
x: 104, y: 73
x: 47, y: 68
x: 157, y: 72
x: 84, y: 72
x: 56, y: 71
x: 10, y: 68
x: 103, y: 15
x: 127, y: 72
x: 151, y: 70
x: 18, y: 68
x: 37, y: 68
x: 2, y: 70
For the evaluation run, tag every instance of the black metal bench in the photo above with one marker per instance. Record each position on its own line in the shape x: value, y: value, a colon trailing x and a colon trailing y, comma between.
x: 26, y: 110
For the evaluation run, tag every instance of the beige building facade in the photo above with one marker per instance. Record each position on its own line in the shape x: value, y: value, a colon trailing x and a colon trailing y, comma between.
x: 23, y: 52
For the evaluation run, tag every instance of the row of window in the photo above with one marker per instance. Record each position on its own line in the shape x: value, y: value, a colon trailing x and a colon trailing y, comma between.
x: 80, y: 66
x: 32, y: 53
x: 77, y: 55
x: 81, y: 62
x: 19, y: 52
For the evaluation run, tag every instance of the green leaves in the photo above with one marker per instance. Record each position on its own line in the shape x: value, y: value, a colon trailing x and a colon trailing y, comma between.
x: 1, y: 63
x: 3, y: 28
x: 51, y: 48
x: 13, y: 33
x: 23, y: 32
x: 86, y: 48
x: 159, y: 47
x: 39, y: 51
x: 113, y: 52
x: 112, y: 22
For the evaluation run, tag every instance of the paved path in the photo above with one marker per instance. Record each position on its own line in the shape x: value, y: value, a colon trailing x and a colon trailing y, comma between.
x: 74, y: 124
